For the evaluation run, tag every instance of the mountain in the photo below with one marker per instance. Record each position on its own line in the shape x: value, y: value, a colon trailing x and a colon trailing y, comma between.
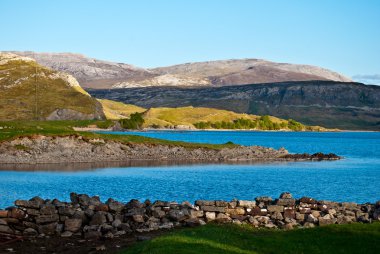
x: 249, y: 71
x: 89, y: 72
x: 325, y: 103
x: 97, y: 74
x: 31, y: 91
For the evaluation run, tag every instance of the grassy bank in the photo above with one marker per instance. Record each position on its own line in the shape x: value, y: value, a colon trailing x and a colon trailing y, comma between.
x: 12, y: 129
x: 352, y: 238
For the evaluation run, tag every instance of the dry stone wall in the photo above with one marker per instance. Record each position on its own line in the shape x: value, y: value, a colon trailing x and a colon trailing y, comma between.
x: 88, y: 217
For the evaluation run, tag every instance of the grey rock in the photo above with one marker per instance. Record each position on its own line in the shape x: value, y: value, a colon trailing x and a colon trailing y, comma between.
x: 73, y: 225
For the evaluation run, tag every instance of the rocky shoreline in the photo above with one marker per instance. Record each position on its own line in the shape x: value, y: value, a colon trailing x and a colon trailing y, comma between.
x: 76, y: 148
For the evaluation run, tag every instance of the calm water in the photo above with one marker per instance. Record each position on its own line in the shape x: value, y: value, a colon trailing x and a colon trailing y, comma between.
x: 355, y: 178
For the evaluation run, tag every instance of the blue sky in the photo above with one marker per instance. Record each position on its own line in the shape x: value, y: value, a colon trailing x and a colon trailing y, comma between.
x: 342, y: 35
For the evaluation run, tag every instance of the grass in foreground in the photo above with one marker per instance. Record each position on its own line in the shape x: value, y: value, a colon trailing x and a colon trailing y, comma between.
x: 12, y: 129
x: 353, y: 238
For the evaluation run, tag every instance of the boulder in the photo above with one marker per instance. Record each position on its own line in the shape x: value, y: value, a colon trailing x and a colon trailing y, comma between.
x: 286, y: 195
x: 66, y: 210
x: 221, y: 217
x: 16, y: 213
x: 98, y: 219
x: 73, y: 225
x: 6, y: 229
x: 179, y: 215
x: 115, y: 206
x: 48, y: 209
x: 30, y: 232
x: 138, y: 218
x: 210, y: 216
x: 48, y: 229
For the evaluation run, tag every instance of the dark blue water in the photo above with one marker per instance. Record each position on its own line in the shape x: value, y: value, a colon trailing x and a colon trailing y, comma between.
x: 355, y: 178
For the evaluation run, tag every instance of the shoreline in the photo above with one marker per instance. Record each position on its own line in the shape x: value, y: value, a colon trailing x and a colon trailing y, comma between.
x: 79, y: 149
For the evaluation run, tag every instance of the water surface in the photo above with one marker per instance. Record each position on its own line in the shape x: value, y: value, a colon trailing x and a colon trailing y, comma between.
x: 355, y: 178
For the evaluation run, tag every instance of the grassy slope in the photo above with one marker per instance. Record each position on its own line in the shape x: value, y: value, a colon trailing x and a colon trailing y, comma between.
x: 117, y: 110
x: 177, y: 116
x: 17, y: 101
x: 10, y: 130
x: 352, y: 238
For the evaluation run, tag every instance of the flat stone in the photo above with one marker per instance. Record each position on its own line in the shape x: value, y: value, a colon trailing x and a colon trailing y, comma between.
x: 3, y: 213
x: 221, y: 203
x: 235, y: 211
x: 42, y: 219
x: 213, y: 209
x: 67, y: 234
x: 275, y: 208
x: 246, y: 203
x: 205, y: 202
x: 286, y: 202
x: 289, y: 213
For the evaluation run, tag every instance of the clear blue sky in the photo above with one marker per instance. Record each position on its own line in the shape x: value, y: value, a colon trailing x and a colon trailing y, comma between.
x: 343, y: 35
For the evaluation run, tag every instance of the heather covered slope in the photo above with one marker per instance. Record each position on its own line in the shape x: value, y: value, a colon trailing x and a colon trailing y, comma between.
x: 31, y: 91
x: 324, y: 103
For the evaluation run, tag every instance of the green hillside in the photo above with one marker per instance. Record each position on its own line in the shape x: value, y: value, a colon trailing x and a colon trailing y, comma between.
x: 31, y: 91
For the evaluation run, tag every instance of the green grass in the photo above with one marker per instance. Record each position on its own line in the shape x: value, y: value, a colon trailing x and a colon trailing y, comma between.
x: 12, y: 129
x: 232, y: 239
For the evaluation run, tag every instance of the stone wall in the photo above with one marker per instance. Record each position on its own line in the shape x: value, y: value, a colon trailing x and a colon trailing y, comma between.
x: 90, y: 218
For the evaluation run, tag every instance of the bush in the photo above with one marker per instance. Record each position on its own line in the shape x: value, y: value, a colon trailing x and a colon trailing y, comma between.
x: 134, y: 122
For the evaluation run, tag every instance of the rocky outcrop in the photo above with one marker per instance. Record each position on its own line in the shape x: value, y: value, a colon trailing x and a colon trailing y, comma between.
x: 322, y: 103
x: 90, y: 218
x: 47, y: 149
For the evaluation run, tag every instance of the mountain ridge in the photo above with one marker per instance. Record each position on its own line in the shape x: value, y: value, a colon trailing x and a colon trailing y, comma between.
x: 99, y: 74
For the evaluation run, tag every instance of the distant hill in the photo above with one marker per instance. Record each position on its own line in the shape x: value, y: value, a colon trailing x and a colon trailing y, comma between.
x: 98, y: 74
x: 329, y: 104
x: 31, y: 91
x: 200, y: 118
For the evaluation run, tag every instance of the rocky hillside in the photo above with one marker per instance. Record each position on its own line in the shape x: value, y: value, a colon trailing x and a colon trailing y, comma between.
x: 97, y: 74
x: 89, y: 72
x: 324, y: 103
x: 249, y: 71
x: 31, y: 91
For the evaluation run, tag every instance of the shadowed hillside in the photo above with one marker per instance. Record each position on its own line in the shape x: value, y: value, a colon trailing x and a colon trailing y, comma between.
x: 325, y: 103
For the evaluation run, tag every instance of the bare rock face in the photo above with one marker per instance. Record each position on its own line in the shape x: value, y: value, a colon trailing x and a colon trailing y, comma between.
x: 93, y: 73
